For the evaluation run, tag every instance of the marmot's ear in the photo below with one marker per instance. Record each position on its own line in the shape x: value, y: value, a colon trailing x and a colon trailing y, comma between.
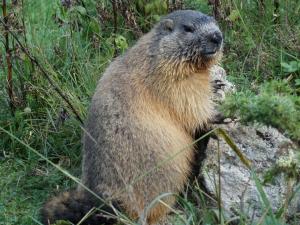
x: 167, y: 24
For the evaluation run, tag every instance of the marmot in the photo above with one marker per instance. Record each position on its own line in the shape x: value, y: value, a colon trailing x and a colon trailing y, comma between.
x: 147, y: 107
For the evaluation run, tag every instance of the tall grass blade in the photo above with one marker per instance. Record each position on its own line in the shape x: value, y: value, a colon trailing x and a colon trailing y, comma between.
x: 222, y: 133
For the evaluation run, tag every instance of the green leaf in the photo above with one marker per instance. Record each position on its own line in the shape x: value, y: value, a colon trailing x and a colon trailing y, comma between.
x: 121, y: 42
x: 156, y: 18
x: 94, y: 26
x: 62, y: 222
x: 81, y: 10
x: 297, y: 82
x: 234, y: 15
x: 148, y: 8
x: 290, y: 67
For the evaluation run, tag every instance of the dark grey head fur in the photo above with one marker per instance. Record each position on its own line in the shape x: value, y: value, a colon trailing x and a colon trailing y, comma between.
x: 188, y: 36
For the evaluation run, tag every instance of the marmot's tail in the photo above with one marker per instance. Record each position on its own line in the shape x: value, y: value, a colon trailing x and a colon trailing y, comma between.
x: 72, y: 206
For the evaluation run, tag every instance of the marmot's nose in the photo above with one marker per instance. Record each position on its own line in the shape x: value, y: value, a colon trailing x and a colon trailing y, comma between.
x: 213, y: 43
x: 215, y: 38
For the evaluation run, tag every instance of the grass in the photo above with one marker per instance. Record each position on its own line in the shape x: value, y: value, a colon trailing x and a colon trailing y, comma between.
x: 24, y: 187
x: 261, y: 54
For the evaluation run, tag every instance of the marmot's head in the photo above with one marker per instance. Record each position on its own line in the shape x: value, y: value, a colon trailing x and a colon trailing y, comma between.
x: 188, y: 40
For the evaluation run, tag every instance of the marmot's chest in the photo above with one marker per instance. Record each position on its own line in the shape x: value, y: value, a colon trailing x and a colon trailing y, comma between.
x: 191, y: 101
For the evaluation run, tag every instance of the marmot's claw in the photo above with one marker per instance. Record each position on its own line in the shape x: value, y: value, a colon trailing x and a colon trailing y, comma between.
x: 217, y: 85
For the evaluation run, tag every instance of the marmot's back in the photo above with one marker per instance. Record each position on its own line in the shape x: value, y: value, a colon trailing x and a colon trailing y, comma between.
x: 145, y: 111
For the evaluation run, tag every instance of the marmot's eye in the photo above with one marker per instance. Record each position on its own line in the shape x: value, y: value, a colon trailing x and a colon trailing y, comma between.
x: 188, y: 28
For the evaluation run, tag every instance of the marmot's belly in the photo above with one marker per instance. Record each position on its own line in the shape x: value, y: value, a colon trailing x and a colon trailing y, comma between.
x: 151, y: 157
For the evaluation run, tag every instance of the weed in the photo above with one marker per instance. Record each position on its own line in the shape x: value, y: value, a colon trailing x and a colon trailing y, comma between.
x: 275, y: 104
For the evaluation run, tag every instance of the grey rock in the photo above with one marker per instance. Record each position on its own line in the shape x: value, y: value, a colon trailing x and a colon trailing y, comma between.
x: 227, y: 120
x: 264, y: 146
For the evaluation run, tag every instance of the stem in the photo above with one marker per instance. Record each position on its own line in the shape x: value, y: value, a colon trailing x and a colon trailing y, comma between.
x: 276, y: 11
x: 8, y: 57
x: 261, y: 6
x: 219, y: 184
x: 216, y: 7
x: 23, y: 23
x: 114, y: 5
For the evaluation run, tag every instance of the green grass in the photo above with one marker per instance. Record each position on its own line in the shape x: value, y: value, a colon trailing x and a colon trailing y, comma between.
x: 24, y: 187
x: 74, y: 48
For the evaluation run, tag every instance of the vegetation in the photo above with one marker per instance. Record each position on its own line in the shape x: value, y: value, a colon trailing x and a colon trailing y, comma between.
x: 275, y: 104
x: 53, y: 52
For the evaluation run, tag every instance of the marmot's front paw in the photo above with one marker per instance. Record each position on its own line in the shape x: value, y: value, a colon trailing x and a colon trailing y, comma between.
x: 217, y: 85
x: 218, y: 118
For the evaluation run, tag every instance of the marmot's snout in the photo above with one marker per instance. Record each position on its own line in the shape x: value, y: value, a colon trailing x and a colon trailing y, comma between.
x: 212, y: 43
x: 209, y: 38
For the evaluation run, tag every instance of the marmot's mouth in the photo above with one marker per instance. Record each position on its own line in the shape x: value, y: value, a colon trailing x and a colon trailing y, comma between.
x: 210, y: 54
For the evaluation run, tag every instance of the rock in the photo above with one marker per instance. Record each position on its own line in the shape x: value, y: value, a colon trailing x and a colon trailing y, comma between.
x: 264, y: 147
x: 227, y: 120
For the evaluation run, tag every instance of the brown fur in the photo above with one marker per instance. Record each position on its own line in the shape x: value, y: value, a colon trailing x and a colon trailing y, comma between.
x: 143, y: 118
